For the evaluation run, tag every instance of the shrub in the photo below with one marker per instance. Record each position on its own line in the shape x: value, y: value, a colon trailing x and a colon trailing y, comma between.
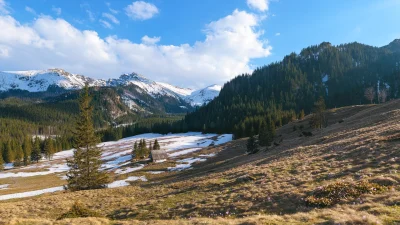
x: 79, y: 210
x: 334, y: 193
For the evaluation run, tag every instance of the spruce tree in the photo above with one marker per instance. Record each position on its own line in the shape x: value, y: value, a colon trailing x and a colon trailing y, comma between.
x: 263, y: 137
x: 27, y: 149
x: 1, y: 160
x: 252, y: 145
x: 49, y: 149
x: 85, y: 166
x: 134, y: 150
x: 156, y: 145
x: 36, y: 152
x: 8, y: 154
x: 150, y: 146
x: 19, y: 154
x: 318, y: 120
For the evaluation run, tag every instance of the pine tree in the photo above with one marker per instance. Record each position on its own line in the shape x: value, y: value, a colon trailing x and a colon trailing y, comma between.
x: 8, y: 154
x: 263, y: 137
x: 135, y: 150
x: 49, y: 149
x: 150, y: 146
x: 27, y: 149
x: 318, y: 119
x: 19, y: 154
x: 1, y: 159
x: 36, y: 151
x: 252, y: 145
x: 156, y: 145
x: 271, y: 130
x: 85, y: 166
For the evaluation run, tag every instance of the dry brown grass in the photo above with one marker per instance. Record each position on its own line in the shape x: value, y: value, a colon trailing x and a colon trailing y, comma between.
x: 362, y: 148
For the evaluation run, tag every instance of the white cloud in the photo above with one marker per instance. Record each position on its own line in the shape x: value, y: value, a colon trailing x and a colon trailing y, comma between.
x: 3, y: 8
x: 90, y: 15
x: 30, y: 10
x: 278, y: 34
x: 113, y: 11
x: 261, y: 5
x: 105, y: 24
x: 56, y: 10
x: 229, y: 45
x: 150, y: 40
x: 111, y: 18
x: 141, y: 10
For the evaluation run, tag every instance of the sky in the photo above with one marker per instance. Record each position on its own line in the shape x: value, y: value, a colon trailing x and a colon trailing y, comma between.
x: 186, y: 43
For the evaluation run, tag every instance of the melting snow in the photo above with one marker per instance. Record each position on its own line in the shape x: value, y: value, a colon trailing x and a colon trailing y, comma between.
x: 122, y: 183
x: 31, y: 193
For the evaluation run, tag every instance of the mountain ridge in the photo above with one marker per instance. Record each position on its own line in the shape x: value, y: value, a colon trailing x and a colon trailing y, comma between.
x: 43, y: 80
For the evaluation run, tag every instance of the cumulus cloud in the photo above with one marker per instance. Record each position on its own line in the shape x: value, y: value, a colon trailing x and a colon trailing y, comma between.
x: 150, y: 40
x: 226, y: 50
x: 56, y: 10
x: 261, y: 5
x: 278, y: 34
x: 141, y: 10
x: 111, y: 18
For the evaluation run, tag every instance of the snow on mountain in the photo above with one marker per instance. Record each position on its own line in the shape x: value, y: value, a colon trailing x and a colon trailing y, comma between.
x: 41, y: 80
x: 153, y: 88
x: 205, y: 95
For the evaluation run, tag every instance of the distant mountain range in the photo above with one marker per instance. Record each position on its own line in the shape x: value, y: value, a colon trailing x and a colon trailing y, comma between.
x: 46, y: 80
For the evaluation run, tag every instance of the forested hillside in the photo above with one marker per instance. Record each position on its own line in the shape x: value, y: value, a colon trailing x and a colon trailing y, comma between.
x: 280, y: 91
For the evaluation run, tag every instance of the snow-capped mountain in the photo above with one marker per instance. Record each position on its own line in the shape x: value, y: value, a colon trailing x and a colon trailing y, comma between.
x: 205, y: 95
x: 153, y: 88
x: 41, y: 80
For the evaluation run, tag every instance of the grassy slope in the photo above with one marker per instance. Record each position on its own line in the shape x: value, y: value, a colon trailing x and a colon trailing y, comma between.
x: 366, y: 146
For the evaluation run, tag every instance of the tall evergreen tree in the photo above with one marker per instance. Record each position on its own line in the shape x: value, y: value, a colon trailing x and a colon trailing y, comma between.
x: 27, y: 149
x: 252, y: 145
x: 1, y: 159
x: 85, y: 166
x: 49, y: 149
x: 8, y: 154
x: 263, y: 136
x: 19, y: 154
x: 36, y: 151
x: 156, y: 145
x: 135, y: 150
x: 318, y: 120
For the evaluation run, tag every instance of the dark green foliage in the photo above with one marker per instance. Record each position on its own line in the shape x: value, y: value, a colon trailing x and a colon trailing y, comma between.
x: 49, y: 148
x: 27, y: 149
x: 156, y: 145
x: 1, y: 161
x: 318, y: 119
x: 85, y: 166
x: 334, y: 193
x: 142, y: 151
x: 8, y: 154
x: 18, y: 154
x: 79, y: 210
x: 252, y: 145
x: 36, y: 151
x: 284, y: 89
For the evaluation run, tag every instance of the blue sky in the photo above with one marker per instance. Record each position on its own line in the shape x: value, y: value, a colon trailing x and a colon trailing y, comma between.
x: 188, y: 43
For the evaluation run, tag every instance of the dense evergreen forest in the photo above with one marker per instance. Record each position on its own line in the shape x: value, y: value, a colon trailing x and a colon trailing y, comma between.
x: 340, y: 74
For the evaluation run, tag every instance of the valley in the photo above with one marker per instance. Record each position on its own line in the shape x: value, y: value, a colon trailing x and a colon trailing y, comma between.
x: 360, y: 144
